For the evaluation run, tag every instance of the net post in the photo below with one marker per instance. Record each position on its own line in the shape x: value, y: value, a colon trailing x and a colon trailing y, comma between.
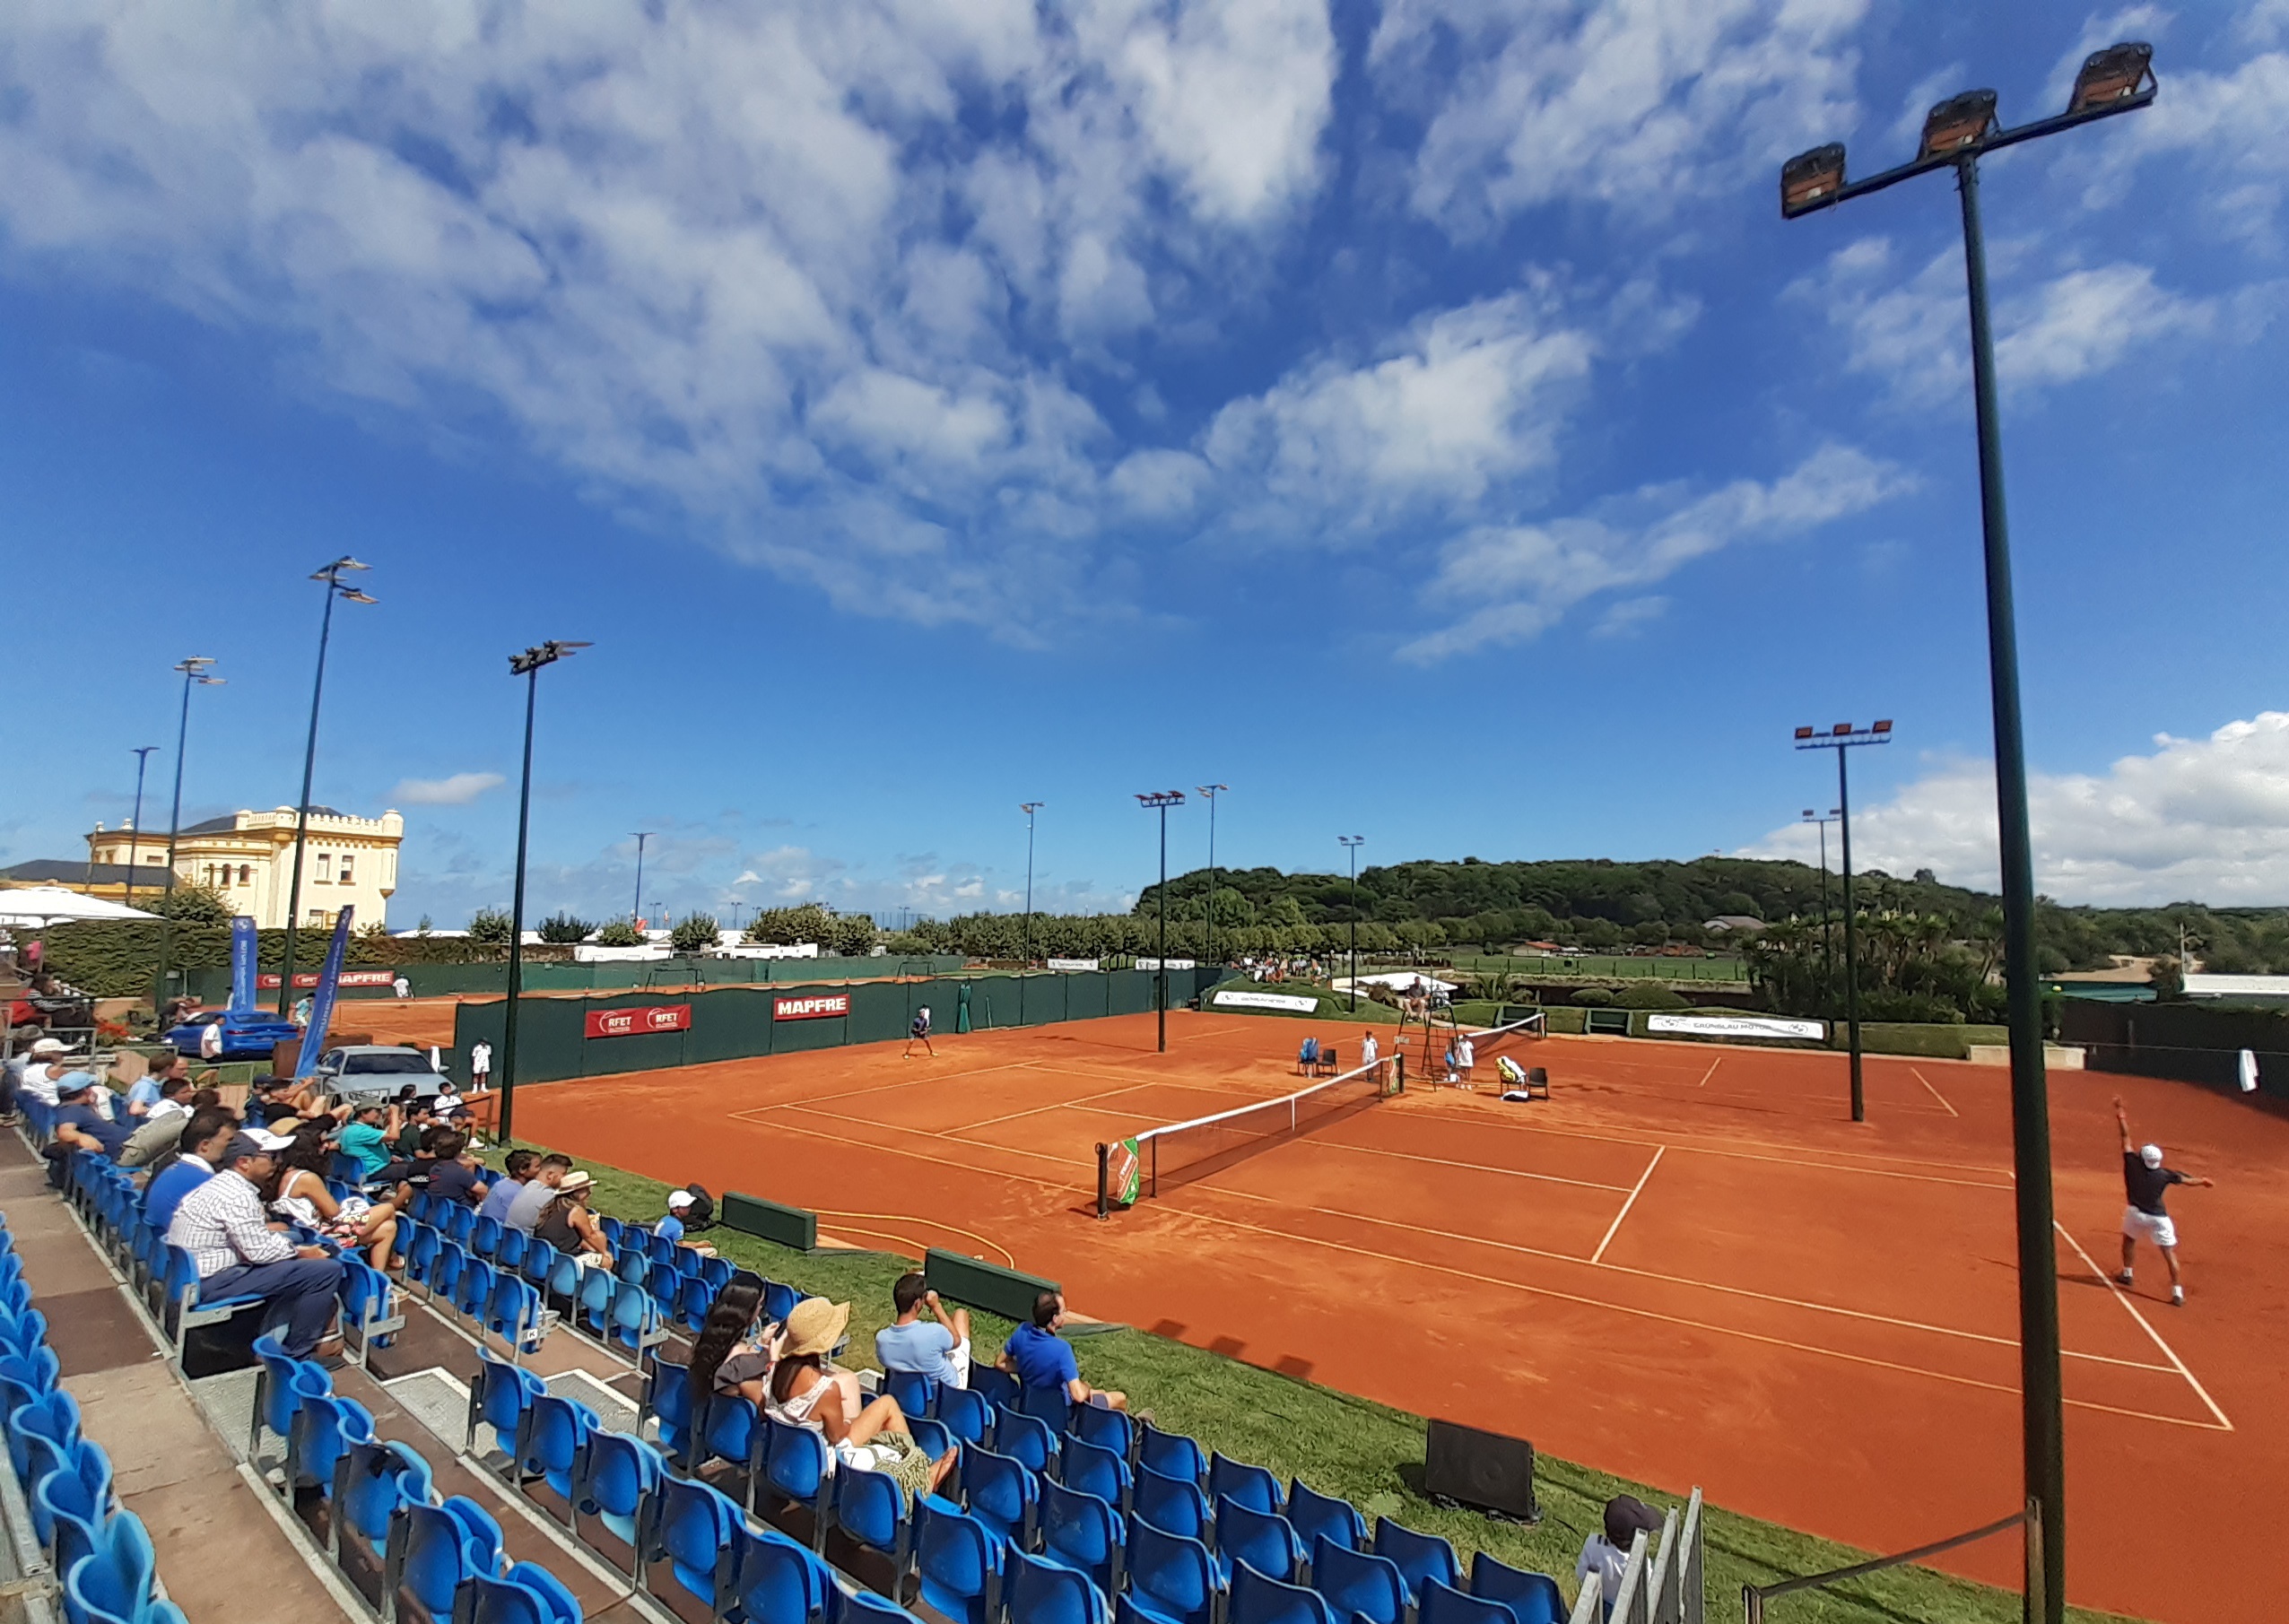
x: 2035, y: 1570
x: 1398, y: 1073
x: 1104, y: 1164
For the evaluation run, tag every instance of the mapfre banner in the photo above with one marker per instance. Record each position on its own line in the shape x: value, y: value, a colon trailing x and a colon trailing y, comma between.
x: 628, y: 1023
x: 818, y: 1007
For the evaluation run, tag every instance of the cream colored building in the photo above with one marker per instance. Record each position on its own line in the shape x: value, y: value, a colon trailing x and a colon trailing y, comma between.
x: 248, y: 858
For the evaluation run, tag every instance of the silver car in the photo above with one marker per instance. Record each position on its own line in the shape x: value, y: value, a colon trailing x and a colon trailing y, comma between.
x: 377, y: 1070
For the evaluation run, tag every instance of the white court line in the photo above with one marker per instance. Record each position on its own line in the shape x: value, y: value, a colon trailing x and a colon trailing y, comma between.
x: 1711, y: 1072
x: 1935, y: 1094
x: 2168, y: 1353
x: 1612, y: 1228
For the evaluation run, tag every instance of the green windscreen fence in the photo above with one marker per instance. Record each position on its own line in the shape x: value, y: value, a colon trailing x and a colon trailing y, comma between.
x: 1008, y: 1292
x: 770, y: 1220
x: 608, y: 1033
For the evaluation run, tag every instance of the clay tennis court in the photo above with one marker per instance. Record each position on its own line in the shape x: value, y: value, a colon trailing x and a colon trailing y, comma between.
x: 1686, y: 1266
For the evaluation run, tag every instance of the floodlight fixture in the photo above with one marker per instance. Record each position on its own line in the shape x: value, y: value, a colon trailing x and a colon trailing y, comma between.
x: 1958, y: 123
x: 2116, y: 74
x: 1810, y: 179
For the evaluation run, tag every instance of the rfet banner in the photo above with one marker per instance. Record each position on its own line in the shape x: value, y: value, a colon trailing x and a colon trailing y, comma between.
x: 303, y: 978
x: 820, y: 1006
x: 651, y: 1018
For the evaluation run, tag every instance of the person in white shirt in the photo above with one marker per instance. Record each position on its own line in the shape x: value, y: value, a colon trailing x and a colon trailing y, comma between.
x: 50, y: 1060
x: 1606, y: 1556
x: 1466, y: 1057
x: 1368, y: 1051
x: 402, y: 988
x: 480, y: 1067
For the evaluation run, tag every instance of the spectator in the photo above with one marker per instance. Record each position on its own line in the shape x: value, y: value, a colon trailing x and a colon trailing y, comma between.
x: 566, y: 1223
x: 50, y: 1060
x: 939, y: 1348
x: 270, y: 1098
x: 298, y: 1193
x: 480, y: 1067
x: 144, y: 1094
x: 199, y: 1152
x: 11, y: 1078
x: 448, y: 1104
x: 1367, y: 1049
x: 1606, y: 1555
x: 454, y: 1175
x: 670, y: 1227
x: 237, y: 1255
x: 866, y: 1436
x: 732, y: 1353
x: 524, y: 1212
x: 365, y: 1138
x: 1040, y: 1358
x: 159, y: 1128
x: 79, y: 1125
x: 516, y: 1172
x: 401, y: 987
x: 1466, y: 1059
x: 415, y: 1118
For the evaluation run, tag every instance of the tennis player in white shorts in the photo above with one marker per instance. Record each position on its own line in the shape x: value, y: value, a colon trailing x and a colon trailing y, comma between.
x: 2146, y: 1182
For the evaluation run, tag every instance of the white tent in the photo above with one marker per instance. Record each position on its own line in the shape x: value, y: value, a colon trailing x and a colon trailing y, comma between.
x: 38, y: 905
x: 1400, y: 981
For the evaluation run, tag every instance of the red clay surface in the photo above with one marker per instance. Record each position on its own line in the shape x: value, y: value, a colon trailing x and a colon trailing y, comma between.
x: 1688, y: 1266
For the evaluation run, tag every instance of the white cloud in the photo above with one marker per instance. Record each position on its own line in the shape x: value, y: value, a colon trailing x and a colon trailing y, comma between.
x: 2204, y: 819
x: 458, y: 790
x: 1638, y: 103
x: 1911, y: 331
x: 1508, y: 583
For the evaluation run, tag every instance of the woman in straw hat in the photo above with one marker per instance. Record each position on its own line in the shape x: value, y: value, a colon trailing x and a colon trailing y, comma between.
x: 804, y: 1391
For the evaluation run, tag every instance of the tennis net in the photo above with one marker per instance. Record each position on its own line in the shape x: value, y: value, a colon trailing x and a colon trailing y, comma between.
x: 1132, y: 1169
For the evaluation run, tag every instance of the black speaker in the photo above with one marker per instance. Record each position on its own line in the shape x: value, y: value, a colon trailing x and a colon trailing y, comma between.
x: 1481, y: 1469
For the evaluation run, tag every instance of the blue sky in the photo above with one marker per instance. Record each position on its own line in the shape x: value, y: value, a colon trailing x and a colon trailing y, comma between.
x: 1416, y: 417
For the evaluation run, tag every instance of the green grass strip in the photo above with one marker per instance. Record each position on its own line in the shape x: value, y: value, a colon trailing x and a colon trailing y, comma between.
x: 1369, y: 1452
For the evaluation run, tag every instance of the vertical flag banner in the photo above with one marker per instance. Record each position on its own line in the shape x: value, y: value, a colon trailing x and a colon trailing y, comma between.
x: 322, y: 1001
x: 2249, y: 1072
x: 242, y: 964
x: 1128, y: 1166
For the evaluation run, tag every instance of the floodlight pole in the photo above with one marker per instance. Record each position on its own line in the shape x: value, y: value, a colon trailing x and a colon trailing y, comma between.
x: 1351, y: 844
x: 1026, y: 958
x: 1212, y: 791
x: 1827, y: 937
x: 195, y: 675
x: 1842, y: 737
x: 2115, y: 80
x: 135, y: 824
x: 526, y: 665
x: 636, y: 908
x: 332, y: 576
x: 1161, y: 801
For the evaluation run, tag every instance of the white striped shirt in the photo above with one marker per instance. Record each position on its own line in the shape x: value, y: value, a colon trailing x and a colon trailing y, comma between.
x: 222, y: 1225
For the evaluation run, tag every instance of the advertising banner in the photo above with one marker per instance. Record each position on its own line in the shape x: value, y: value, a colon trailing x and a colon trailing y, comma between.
x: 1126, y: 1170
x: 1154, y: 964
x: 1737, y: 1026
x: 242, y: 964
x: 268, y: 979
x: 628, y: 1023
x: 819, y: 1006
x: 1232, y: 999
x: 1071, y: 964
x: 329, y: 976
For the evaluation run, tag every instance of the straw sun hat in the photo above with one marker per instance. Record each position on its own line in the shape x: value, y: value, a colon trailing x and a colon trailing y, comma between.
x: 815, y: 1326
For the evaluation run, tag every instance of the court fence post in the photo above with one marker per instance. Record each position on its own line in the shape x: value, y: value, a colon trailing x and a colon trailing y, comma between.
x: 2036, y: 1568
x: 1104, y: 1156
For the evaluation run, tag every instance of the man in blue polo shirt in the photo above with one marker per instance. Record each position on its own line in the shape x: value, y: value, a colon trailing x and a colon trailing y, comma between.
x: 1040, y: 1358
x: 207, y: 1132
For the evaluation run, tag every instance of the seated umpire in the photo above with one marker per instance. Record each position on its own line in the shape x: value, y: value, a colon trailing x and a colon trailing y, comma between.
x: 1040, y: 1358
x: 221, y: 1225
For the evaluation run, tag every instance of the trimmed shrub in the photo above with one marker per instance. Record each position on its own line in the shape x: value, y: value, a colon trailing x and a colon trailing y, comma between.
x: 620, y: 932
x: 1649, y: 995
x: 695, y: 933
x: 490, y: 926
x: 1593, y: 997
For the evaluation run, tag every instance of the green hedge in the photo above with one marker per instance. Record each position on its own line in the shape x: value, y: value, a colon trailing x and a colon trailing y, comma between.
x: 1946, y: 1041
x: 117, y: 959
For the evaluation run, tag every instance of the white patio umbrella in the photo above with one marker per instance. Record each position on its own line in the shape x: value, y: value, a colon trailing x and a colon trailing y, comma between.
x: 36, y: 905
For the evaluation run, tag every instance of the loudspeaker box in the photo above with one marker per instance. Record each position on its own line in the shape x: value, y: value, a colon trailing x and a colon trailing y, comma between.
x: 1481, y: 1469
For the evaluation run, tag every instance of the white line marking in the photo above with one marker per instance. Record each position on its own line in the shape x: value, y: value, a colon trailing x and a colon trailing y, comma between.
x: 2168, y: 1353
x: 1711, y: 1072
x: 1935, y: 1094
x: 1615, y: 1226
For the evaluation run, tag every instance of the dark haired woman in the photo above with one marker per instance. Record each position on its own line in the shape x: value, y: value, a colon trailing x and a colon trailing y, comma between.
x: 724, y: 1359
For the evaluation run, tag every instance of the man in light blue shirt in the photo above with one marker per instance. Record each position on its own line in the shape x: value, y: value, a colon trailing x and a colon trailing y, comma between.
x: 939, y: 1350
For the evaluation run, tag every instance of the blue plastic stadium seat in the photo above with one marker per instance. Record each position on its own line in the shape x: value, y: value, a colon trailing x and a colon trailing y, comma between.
x: 864, y: 1607
x: 715, y: 1271
x: 636, y: 1321
x: 324, y: 1428
x: 1000, y: 1492
x: 527, y: 1594
x: 1107, y: 1428
x: 516, y: 1314
x: 1043, y: 1590
x: 1532, y: 1598
x: 111, y: 1585
x: 54, y: 1415
x: 733, y: 1431
x: 1444, y: 1604
x: 965, y: 1414
x: 509, y: 1252
x: 431, y: 1554
x: 1418, y: 1556
x: 612, y: 1482
x: 1251, y: 1485
x: 798, y: 1469
x: 474, y: 1296
x: 870, y: 1508
x: 1100, y: 1472
x: 773, y: 1580
x: 998, y: 1388
x: 485, y: 1238
x: 1315, y: 1515
x: 693, y: 1525
x: 667, y: 1400
x: 1171, y: 1580
x: 1083, y: 1532
x: 370, y: 1308
x: 1359, y: 1582
x: 540, y: 1263
x: 960, y: 1563
x: 371, y: 1482
x: 1025, y: 1437
x: 555, y: 1431
x: 499, y: 1398
x: 1259, y: 1600
x: 917, y: 1393
x: 1261, y: 1539
x: 1171, y: 1505
x: 444, y: 1280
x: 779, y: 1299
x: 594, y: 1290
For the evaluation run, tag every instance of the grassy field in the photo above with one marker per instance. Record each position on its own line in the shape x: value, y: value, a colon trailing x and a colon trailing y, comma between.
x: 1369, y: 1452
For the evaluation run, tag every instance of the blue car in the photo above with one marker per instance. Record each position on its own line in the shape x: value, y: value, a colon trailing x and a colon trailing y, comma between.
x: 247, y: 1034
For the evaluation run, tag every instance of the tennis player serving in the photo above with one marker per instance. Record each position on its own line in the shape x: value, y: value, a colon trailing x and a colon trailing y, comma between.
x: 2147, y: 1181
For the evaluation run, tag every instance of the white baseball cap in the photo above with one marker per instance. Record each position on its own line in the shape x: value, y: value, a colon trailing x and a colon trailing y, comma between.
x: 678, y: 1198
x: 2151, y: 1155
